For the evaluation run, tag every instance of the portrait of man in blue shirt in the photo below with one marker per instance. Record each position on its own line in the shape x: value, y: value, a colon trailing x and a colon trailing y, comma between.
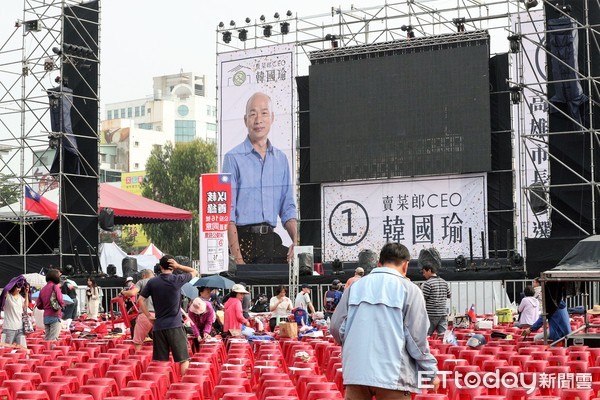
x: 261, y: 188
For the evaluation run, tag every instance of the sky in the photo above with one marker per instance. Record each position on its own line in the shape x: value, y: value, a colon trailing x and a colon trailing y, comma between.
x: 141, y: 39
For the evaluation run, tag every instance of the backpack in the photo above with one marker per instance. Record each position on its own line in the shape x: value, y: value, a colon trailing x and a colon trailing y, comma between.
x: 332, y: 298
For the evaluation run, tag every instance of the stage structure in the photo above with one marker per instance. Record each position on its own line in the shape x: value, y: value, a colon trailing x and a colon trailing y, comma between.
x: 543, y: 109
x: 49, y: 133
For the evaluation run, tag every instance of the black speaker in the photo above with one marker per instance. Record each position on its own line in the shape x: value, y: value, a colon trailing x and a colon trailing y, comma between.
x: 106, y: 219
x: 129, y: 266
x: 111, y: 270
x: 367, y: 259
x: 306, y: 264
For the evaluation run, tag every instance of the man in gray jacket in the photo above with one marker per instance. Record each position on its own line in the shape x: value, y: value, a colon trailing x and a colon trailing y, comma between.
x: 382, y: 325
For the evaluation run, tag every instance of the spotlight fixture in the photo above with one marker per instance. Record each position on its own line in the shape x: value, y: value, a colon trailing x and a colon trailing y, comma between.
x: 276, y: 16
x: 410, y: 33
x: 33, y: 26
x: 530, y: 3
x: 221, y: 24
x: 48, y: 64
x: 460, y: 24
x: 515, y: 93
x: 267, y: 30
x: 288, y: 13
x: 337, y: 267
x: 514, y: 43
x: 232, y: 23
x: 262, y: 18
x: 247, y: 20
x: 226, y: 37
x: 285, y: 28
x: 332, y: 39
x: 243, y: 34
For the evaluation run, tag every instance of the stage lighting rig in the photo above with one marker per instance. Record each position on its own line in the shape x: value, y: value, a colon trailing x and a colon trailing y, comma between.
x: 267, y: 30
x: 514, y: 43
x: 276, y: 15
x: 410, y: 33
x: 461, y: 263
x: 337, y: 267
x: 243, y: 34
x: 221, y: 24
x: 515, y: 93
x: 288, y: 13
x: 262, y: 18
x: 332, y: 39
x: 530, y: 3
x: 226, y: 37
x: 285, y: 28
x: 459, y: 23
x: 247, y: 20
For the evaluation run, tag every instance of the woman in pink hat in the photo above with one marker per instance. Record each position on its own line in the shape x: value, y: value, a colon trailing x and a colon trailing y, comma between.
x: 202, y: 316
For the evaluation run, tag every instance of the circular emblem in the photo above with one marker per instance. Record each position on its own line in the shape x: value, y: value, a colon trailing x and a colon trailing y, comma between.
x: 239, y: 78
x: 349, y: 223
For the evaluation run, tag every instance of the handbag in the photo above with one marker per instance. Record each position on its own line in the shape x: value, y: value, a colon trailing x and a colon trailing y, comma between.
x: 27, y: 324
x: 53, y: 301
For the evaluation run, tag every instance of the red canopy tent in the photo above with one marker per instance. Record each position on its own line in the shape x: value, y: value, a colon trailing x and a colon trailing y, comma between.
x: 130, y: 208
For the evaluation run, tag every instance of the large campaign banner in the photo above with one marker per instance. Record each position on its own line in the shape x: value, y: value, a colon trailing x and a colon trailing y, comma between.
x: 215, y: 200
x: 418, y: 212
x: 530, y: 124
x: 241, y: 74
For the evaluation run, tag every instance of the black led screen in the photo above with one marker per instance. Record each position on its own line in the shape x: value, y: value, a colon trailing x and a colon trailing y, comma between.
x: 412, y: 111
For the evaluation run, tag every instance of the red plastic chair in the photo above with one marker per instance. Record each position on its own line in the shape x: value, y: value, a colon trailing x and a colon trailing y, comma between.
x: 121, y: 376
x: 13, y: 368
x: 204, y: 381
x: 278, y: 391
x: 183, y: 395
x: 33, y: 377
x: 577, y: 366
x: 465, y: 393
x: 137, y: 392
x: 152, y: 385
x: 55, y: 389
x: 110, y: 382
x: 275, y: 383
x: 305, y: 380
x: 32, y: 395
x: 17, y: 385
x: 237, y: 381
x: 220, y: 390
x: 324, y: 394
x: 162, y: 381
x: 318, y: 386
x: 576, y: 394
x: 77, y: 396
x: 431, y: 396
x: 239, y: 396
x: 98, y: 392
x: 120, y: 398
x: 536, y: 366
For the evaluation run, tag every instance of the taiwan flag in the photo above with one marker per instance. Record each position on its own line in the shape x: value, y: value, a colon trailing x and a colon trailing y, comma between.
x: 472, y: 314
x: 38, y: 204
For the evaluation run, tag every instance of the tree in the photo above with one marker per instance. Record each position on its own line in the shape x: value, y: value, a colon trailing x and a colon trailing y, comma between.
x: 10, y: 191
x: 172, y: 177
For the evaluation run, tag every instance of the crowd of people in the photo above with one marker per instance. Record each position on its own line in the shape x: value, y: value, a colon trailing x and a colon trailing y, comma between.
x: 384, y: 297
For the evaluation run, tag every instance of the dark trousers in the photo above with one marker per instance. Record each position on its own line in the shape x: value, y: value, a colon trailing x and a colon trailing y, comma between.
x: 261, y: 248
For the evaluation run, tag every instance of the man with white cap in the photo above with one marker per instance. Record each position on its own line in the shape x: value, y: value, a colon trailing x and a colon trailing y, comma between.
x: 202, y: 315
x: 234, y: 317
x: 358, y: 273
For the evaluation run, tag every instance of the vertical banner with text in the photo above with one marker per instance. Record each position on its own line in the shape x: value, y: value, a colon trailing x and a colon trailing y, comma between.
x: 215, y: 200
x: 530, y: 124
x: 241, y: 74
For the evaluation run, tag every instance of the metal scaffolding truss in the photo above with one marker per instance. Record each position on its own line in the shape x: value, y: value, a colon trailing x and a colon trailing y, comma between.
x: 413, y: 23
x: 33, y: 61
x: 533, y: 132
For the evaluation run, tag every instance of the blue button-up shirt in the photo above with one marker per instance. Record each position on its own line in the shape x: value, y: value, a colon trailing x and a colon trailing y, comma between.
x: 261, y: 188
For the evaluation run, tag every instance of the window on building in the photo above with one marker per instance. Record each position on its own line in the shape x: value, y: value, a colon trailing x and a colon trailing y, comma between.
x: 137, y: 111
x: 185, y: 131
x: 143, y: 110
x: 129, y: 112
x: 122, y: 113
x: 211, y: 140
x: 214, y: 111
x: 136, y: 144
x: 149, y: 111
x: 136, y: 166
x: 116, y: 114
x: 145, y: 126
x: 211, y: 127
x: 109, y: 114
x: 198, y: 90
x: 208, y: 110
